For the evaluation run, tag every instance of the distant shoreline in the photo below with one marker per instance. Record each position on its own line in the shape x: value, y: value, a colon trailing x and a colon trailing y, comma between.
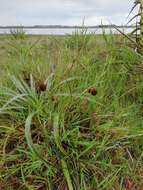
x: 64, y: 27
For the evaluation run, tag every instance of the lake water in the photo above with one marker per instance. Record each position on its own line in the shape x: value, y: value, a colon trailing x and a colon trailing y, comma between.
x: 63, y: 31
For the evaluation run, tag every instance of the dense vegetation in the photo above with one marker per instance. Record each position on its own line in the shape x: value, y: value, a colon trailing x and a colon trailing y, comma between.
x: 71, y: 113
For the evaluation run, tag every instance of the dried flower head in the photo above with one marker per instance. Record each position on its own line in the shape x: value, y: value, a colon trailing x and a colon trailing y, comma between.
x: 40, y: 87
x: 92, y: 91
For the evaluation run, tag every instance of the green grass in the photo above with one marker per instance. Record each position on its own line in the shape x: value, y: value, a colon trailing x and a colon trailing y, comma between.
x: 71, y: 113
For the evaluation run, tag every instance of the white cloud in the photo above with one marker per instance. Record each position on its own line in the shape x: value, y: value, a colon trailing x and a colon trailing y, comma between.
x: 69, y: 12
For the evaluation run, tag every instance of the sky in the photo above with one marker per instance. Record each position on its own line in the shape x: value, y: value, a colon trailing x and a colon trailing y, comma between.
x: 64, y: 12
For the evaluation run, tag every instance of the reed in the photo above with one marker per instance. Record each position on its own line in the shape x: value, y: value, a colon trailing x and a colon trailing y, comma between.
x: 139, y: 23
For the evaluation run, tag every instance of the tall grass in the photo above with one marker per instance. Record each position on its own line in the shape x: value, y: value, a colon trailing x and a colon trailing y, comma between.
x: 138, y: 19
x: 71, y: 113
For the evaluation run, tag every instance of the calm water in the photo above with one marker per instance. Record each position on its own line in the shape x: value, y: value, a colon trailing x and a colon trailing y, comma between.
x: 63, y: 31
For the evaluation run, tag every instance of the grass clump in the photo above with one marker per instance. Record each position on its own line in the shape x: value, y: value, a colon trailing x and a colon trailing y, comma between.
x: 71, y: 113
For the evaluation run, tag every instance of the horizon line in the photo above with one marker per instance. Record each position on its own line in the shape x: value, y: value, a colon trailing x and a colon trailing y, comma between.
x: 66, y: 26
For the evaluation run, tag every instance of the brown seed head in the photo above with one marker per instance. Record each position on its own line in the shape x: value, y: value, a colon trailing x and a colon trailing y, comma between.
x: 40, y: 87
x: 92, y: 91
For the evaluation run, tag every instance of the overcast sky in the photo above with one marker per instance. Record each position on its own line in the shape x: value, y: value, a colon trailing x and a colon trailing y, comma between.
x: 64, y: 12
